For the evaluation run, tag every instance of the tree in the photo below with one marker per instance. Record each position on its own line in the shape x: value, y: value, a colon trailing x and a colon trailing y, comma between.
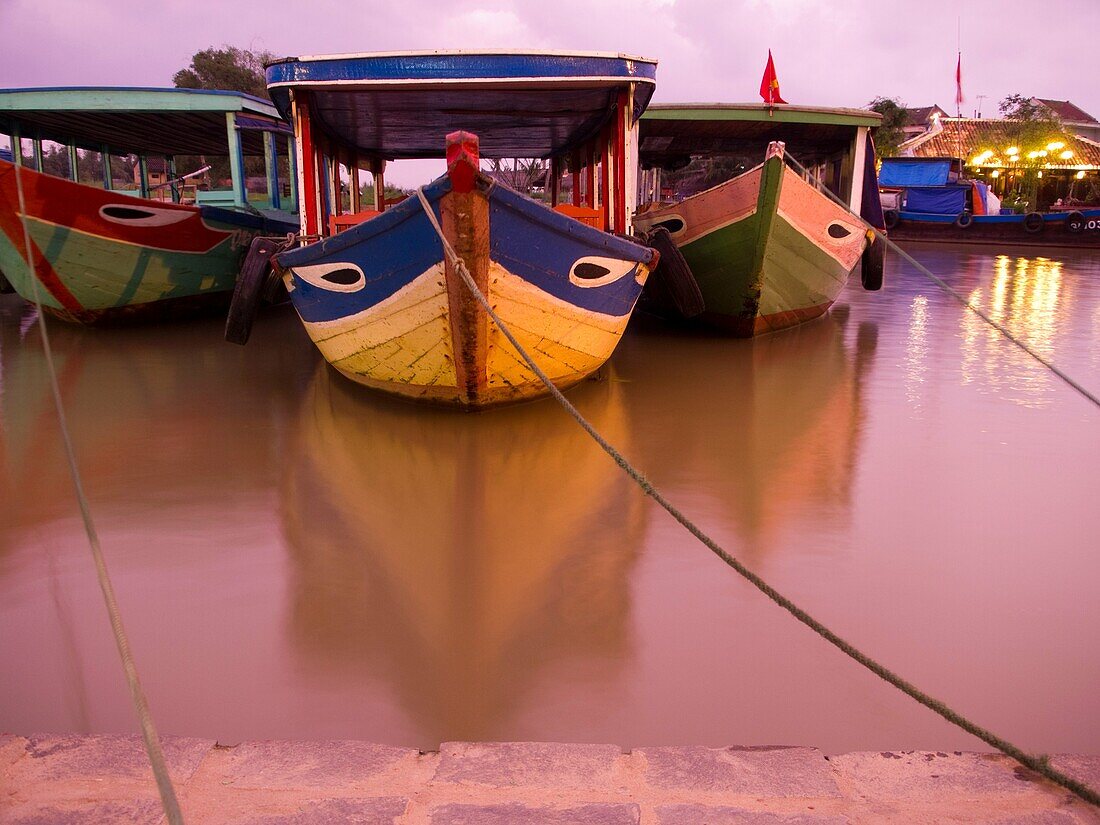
x: 890, y: 134
x: 1035, y: 132
x: 229, y: 68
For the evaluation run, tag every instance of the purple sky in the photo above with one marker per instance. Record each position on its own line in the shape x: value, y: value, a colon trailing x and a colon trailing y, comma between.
x: 839, y: 53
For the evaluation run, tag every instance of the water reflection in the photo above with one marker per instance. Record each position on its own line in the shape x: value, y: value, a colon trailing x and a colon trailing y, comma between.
x: 154, y: 414
x: 1029, y: 297
x: 458, y: 554
x: 770, y: 427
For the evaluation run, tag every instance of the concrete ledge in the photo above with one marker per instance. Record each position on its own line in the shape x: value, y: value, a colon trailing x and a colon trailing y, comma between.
x: 106, y: 779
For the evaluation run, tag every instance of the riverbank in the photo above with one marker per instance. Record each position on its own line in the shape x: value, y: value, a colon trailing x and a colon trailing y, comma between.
x: 68, y: 778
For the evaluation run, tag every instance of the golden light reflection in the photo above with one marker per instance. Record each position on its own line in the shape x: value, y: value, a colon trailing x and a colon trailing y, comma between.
x: 916, y: 351
x: 1028, y: 297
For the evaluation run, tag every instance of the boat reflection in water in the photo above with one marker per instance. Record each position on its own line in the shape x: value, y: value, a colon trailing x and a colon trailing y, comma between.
x: 459, y: 555
x: 769, y: 428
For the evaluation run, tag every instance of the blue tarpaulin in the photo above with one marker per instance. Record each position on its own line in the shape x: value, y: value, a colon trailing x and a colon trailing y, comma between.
x: 6, y: 155
x: 911, y: 172
x: 937, y: 200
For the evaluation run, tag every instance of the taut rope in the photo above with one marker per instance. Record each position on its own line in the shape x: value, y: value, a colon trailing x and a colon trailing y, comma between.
x: 137, y: 694
x: 1039, y: 764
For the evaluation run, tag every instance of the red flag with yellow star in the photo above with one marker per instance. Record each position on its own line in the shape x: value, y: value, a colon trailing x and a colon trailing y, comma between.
x: 769, y: 85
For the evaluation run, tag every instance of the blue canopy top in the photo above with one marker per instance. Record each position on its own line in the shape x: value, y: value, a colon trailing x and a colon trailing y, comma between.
x: 914, y: 172
x: 519, y: 104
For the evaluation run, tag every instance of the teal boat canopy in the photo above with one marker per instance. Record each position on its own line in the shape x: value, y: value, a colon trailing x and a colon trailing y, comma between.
x: 670, y: 133
x: 520, y: 104
x: 152, y: 121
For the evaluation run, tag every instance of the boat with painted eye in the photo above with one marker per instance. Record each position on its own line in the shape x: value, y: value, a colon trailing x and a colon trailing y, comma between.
x: 101, y: 253
x: 377, y: 293
x: 768, y: 247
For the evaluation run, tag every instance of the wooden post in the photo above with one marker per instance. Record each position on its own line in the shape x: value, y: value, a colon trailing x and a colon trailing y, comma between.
x: 271, y: 167
x: 859, y: 162
x: 236, y: 159
x: 337, y: 191
x: 143, y: 176
x: 307, y: 161
x: 72, y: 162
x: 17, y: 147
x: 555, y: 179
x: 378, y: 170
x: 590, y: 175
x: 353, y: 183
x: 108, y: 178
x: 607, y: 200
x: 620, y: 162
x: 575, y: 161
x: 292, y: 169
x: 170, y: 173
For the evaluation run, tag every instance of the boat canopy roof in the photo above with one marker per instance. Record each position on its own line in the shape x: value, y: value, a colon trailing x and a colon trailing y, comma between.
x: 670, y: 132
x: 519, y: 104
x: 142, y: 121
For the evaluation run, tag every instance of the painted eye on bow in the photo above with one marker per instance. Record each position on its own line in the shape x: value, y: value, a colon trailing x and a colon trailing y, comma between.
x: 593, y: 270
x: 138, y: 214
x: 338, y: 276
x: 839, y: 230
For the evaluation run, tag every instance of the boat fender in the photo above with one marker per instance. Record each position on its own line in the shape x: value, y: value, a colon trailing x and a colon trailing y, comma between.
x: 257, y: 280
x: 964, y: 220
x: 1033, y: 222
x: 891, y: 218
x: 673, y: 271
x: 872, y: 264
x: 1075, y: 222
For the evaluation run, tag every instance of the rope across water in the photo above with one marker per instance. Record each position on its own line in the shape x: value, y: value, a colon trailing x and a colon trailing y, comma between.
x: 882, y: 237
x: 137, y: 694
x: 1039, y: 764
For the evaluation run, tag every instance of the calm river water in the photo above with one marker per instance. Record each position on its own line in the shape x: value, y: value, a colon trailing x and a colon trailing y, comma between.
x: 296, y: 557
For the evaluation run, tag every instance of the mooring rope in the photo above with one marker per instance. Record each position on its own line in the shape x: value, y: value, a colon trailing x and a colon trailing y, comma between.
x: 1039, y: 764
x: 141, y: 706
x: 882, y: 236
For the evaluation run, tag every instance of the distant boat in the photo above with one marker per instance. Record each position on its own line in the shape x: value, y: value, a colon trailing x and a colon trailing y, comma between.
x: 768, y: 248
x: 376, y: 292
x: 928, y: 199
x: 104, y: 254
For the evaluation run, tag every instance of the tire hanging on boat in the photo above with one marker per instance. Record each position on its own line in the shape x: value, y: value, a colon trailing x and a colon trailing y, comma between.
x: 890, y: 218
x: 256, y: 282
x: 1033, y: 222
x: 1075, y: 222
x: 964, y: 220
x: 872, y: 264
x: 675, y: 274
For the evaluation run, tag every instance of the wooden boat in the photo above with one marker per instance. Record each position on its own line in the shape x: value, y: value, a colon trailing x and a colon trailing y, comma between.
x: 375, y: 290
x: 104, y: 254
x: 766, y: 249
x: 932, y: 201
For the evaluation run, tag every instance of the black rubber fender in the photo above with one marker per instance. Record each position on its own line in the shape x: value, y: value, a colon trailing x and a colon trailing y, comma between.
x: 253, y: 284
x: 891, y: 217
x: 675, y: 274
x: 1075, y: 222
x: 872, y: 264
x: 964, y: 220
x: 1033, y: 222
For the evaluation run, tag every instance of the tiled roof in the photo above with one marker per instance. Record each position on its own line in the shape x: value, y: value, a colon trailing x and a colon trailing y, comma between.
x: 1067, y: 111
x: 974, y: 135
